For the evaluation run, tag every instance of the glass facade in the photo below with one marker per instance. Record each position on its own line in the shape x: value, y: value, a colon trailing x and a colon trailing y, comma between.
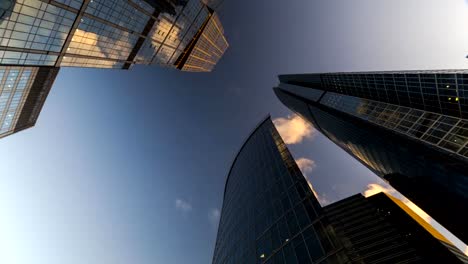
x: 4, y: 7
x: 71, y: 3
x: 94, y: 39
x: 192, y: 41
x: 111, y: 34
x: 214, y: 4
x: 444, y: 92
x: 378, y: 230
x: 436, y: 92
x: 171, y: 35
x: 120, y: 13
x: 36, y: 25
x: 36, y: 97
x: 33, y: 33
x: 21, y: 89
x: 98, y: 33
x: 15, y: 83
x: 446, y: 132
x: 191, y: 22
x: 207, y: 49
x: 420, y: 153
x: 269, y: 213
x: 156, y: 37
x: 309, y: 94
x: 106, y: 34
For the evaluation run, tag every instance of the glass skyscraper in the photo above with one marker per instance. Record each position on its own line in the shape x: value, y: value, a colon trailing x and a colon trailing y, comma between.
x: 23, y: 91
x: 39, y: 34
x: 382, y: 229
x: 205, y: 49
x: 106, y: 33
x: 407, y: 127
x: 270, y: 215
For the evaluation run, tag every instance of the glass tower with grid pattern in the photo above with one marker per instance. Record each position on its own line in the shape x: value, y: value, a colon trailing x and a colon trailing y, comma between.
x: 109, y: 33
x: 410, y: 128
x: 382, y: 229
x: 269, y: 213
x: 23, y: 91
x: 38, y: 35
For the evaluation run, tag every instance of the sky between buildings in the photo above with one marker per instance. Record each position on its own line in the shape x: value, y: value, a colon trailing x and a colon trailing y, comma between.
x: 130, y: 166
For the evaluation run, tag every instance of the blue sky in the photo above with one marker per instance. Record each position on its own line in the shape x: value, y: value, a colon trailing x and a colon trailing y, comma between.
x: 129, y: 166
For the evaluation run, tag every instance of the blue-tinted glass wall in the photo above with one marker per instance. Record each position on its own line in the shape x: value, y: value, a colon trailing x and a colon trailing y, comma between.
x: 269, y: 214
x: 33, y: 33
x: 444, y: 91
x: 98, y: 33
x: 23, y: 91
x: 38, y: 34
x: 417, y: 151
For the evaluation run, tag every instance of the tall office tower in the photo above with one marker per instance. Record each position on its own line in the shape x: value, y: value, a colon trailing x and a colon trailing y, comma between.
x: 270, y: 215
x: 407, y: 127
x: 382, y: 229
x: 205, y: 49
x: 180, y: 34
x: 107, y: 33
x: 23, y: 91
x: 191, y: 41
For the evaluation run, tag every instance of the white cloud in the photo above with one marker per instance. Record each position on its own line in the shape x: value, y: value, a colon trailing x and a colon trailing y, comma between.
x: 214, y: 216
x: 375, y: 188
x: 293, y: 129
x: 306, y: 165
x: 322, y: 198
x: 183, y: 206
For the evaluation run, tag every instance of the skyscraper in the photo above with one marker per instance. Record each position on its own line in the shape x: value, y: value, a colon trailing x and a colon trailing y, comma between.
x: 194, y: 35
x: 407, y: 127
x: 382, y: 229
x: 39, y: 34
x: 205, y: 49
x: 270, y: 215
x: 22, y: 95
x: 105, y: 33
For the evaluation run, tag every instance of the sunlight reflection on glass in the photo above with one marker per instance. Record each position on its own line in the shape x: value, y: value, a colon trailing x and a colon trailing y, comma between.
x: 418, y: 214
